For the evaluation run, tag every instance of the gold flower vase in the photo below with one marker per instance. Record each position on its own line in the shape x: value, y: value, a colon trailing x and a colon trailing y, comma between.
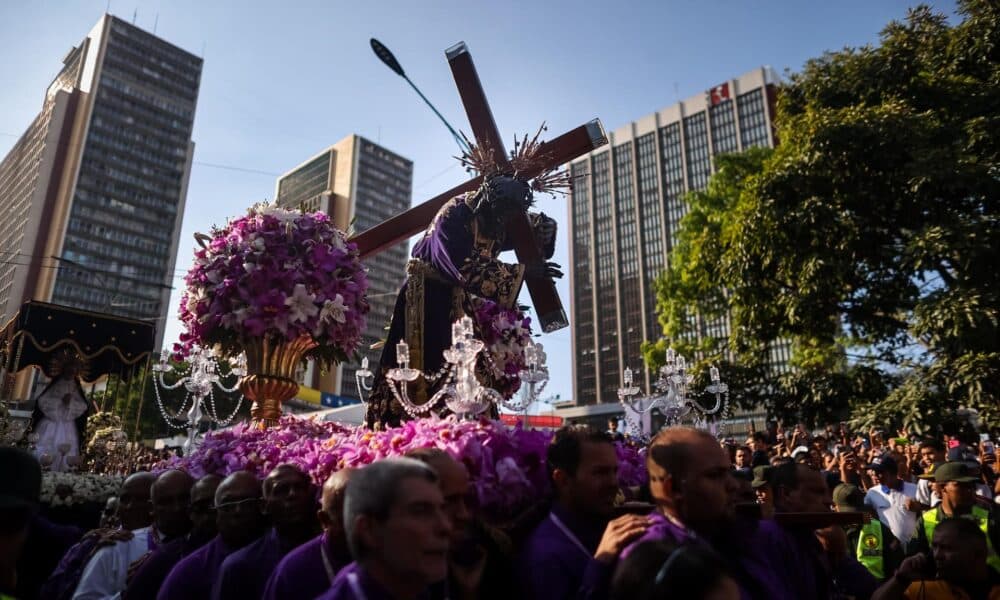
x: 270, y: 379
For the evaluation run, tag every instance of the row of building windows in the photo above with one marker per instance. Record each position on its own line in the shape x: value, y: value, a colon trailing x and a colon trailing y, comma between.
x: 642, y: 207
x: 130, y: 111
x: 583, y: 308
x: 723, y: 128
x: 157, y: 102
x: 115, y: 234
x: 171, y: 162
x: 173, y: 67
x: 114, y: 252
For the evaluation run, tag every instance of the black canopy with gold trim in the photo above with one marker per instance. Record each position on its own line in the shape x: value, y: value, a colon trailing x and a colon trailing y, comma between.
x: 51, y: 337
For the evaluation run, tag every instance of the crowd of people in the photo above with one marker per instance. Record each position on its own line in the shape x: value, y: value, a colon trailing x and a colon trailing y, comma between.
x: 716, y: 521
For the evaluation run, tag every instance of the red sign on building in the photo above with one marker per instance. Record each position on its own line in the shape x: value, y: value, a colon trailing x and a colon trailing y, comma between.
x: 718, y: 94
x: 537, y: 421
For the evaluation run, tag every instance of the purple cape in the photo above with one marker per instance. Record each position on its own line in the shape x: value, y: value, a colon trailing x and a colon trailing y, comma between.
x: 352, y: 579
x: 552, y: 565
x: 302, y: 573
x: 192, y: 577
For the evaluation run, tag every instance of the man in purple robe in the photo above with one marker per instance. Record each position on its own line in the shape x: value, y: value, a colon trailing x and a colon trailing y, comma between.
x: 290, y: 502
x: 397, y: 529
x: 454, y: 264
x: 106, y: 575
x: 310, y: 569
x: 239, y: 521
x: 480, y: 562
x: 148, y: 576
x: 818, y: 562
x: 572, y: 553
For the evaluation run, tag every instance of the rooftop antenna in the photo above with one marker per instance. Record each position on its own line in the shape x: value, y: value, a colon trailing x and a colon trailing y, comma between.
x: 156, y: 22
x: 135, y: 14
x: 108, y: 9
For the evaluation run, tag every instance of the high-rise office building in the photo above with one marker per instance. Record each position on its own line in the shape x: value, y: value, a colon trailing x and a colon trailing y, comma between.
x: 92, y: 195
x: 626, y: 208
x: 359, y: 184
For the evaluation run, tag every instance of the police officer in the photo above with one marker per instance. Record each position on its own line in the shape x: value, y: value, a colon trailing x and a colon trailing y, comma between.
x: 873, y: 543
x: 957, y: 484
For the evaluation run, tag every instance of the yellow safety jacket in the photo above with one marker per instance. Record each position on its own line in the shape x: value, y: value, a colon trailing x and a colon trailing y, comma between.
x: 871, y: 547
x: 980, y: 515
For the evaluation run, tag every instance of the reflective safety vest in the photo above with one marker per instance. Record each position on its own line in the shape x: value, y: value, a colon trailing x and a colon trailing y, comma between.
x: 870, y: 548
x: 981, y: 516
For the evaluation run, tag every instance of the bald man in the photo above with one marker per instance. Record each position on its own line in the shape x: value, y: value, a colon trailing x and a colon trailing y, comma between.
x: 691, y: 485
x: 309, y: 570
x: 106, y: 572
x: 239, y: 519
x: 480, y: 560
x: 152, y: 570
x: 290, y: 503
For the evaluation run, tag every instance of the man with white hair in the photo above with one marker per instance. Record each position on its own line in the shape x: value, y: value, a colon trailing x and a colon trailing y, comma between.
x: 388, y: 501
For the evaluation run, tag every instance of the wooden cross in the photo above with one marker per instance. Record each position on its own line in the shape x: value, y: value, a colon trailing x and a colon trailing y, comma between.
x: 558, y: 151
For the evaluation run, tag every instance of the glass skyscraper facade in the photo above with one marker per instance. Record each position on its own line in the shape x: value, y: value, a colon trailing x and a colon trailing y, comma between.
x: 626, y: 207
x: 110, y: 185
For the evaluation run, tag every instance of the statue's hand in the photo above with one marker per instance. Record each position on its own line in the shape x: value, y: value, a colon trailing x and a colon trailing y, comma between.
x: 545, y: 230
x: 547, y: 270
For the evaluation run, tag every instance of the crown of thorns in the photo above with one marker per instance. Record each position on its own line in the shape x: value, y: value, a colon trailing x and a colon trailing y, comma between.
x: 528, y: 155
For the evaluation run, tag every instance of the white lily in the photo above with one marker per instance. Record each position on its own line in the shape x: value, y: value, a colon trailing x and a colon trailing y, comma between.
x: 301, y: 304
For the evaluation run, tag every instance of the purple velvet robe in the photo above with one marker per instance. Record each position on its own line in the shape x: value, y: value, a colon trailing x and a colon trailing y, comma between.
x: 245, y: 572
x: 352, y: 579
x: 192, y: 577
x: 660, y: 528
x: 551, y: 565
x: 153, y: 571
x: 447, y: 258
x: 772, y: 563
x: 302, y: 573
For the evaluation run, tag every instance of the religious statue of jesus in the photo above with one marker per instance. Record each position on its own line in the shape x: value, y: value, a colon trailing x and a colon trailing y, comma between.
x: 455, y: 264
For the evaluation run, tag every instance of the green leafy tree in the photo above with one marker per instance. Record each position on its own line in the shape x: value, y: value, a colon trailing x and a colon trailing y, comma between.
x: 869, y: 238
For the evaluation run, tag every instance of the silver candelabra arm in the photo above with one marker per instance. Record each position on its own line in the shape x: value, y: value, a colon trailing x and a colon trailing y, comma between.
x: 364, y: 379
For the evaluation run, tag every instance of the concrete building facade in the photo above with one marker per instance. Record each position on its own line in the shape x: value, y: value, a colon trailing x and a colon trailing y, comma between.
x: 92, y: 195
x: 625, y: 210
x: 359, y: 184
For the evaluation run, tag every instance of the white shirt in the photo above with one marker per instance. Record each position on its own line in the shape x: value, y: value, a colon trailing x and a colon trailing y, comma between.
x: 924, y: 494
x: 891, y: 509
x: 106, y: 573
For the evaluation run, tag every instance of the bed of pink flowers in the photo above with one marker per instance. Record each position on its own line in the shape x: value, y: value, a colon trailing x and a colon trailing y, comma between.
x: 506, y: 464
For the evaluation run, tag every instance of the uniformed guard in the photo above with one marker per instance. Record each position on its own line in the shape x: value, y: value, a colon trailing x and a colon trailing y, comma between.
x: 875, y: 546
x: 957, y: 483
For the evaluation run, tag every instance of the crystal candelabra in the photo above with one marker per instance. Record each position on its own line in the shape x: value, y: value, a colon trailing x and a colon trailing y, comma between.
x: 200, y: 379
x: 460, y: 389
x: 534, y: 377
x: 672, y: 399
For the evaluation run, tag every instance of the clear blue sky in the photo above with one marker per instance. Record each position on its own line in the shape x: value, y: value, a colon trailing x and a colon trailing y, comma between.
x: 284, y: 80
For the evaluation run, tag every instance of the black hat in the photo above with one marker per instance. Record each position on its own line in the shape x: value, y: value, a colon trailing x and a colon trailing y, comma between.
x: 954, y: 471
x: 761, y: 476
x: 21, y: 480
x: 849, y: 496
x: 884, y: 463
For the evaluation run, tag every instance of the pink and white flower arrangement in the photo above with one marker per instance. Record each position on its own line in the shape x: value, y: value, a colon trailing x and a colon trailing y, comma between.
x: 506, y: 333
x: 278, y: 273
x: 506, y: 464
